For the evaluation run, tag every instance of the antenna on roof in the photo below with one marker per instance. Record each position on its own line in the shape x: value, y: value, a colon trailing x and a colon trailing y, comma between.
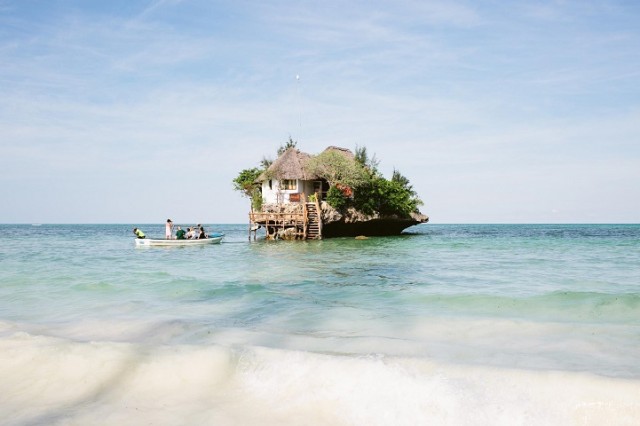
x: 299, y: 107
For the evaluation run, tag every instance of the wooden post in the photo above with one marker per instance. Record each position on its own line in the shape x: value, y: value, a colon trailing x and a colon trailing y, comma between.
x: 304, y: 221
x: 319, y: 213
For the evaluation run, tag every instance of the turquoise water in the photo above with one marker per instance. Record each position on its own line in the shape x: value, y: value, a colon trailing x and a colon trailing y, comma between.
x: 448, y: 313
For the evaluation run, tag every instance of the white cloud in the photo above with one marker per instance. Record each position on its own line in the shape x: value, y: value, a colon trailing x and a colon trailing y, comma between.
x: 472, y: 103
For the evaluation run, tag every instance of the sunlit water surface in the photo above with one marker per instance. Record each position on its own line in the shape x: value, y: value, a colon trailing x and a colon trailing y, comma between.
x: 447, y: 324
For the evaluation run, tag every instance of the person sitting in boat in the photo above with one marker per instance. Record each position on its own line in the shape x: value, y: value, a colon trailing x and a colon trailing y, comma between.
x: 138, y: 233
x: 190, y: 233
x: 180, y: 234
x: 201, y: 234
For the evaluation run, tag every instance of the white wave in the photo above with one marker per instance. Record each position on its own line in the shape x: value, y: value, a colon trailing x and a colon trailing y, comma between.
x: 53, y: 380
x: 603, y: 349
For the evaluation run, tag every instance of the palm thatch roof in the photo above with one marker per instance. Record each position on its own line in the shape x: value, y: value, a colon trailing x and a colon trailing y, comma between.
x: 344, y: 151
x: 290, y: 165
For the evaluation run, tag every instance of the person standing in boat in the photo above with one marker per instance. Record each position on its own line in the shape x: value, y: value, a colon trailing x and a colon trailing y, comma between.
x: 180, y: 234
x: 139, y: 233
x: 168, y: 229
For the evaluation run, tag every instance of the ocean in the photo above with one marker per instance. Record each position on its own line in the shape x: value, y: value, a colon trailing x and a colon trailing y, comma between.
x: 443, y: 325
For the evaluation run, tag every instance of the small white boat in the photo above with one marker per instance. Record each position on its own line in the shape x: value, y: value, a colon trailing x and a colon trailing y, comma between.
x: 147, y: 242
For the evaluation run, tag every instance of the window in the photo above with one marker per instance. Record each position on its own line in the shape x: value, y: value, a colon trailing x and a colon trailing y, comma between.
x: 288, y: 185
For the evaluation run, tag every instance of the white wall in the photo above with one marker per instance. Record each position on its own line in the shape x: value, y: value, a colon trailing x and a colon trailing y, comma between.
x: 275, y: 195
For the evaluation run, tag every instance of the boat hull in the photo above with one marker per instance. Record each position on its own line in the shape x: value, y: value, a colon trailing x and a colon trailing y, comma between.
x: 149, y: 242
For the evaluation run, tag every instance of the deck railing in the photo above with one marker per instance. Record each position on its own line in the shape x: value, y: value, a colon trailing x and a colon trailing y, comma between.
x: 293, y: 218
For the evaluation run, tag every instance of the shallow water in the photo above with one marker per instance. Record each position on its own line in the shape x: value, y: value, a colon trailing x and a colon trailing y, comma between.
x: 450, y: 324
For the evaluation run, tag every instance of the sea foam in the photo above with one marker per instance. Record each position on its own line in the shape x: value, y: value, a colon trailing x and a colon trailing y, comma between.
x: 50, y: 380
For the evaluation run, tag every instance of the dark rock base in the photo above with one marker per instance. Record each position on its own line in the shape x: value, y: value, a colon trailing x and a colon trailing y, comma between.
x: 370, y: 228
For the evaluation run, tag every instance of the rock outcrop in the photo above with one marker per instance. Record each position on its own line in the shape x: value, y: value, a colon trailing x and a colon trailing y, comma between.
x: 350, y: 223
x: 354, y: 223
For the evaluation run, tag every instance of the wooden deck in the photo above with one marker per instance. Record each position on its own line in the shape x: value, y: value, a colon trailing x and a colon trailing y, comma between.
x: 301, y: 223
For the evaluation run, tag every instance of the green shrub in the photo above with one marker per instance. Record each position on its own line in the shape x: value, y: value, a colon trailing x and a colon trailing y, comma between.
x: 256, y: 199
x: 336, y: 199
x: 245, y: 183
x: 386, y: 197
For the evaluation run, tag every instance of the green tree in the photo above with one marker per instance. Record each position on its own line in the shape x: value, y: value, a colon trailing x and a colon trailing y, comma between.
x: 396, y: 200
x: 289, y: 144
x: 245, y: 182
x: 369, y: 163
x: 266, y: 162
x: 337, y: 168
x: 393, y: 197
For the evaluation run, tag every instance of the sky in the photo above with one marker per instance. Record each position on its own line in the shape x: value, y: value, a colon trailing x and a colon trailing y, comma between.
x: 130, y: 111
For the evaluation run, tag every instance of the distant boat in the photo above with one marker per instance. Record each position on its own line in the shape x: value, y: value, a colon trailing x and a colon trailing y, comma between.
x: 147, y: 242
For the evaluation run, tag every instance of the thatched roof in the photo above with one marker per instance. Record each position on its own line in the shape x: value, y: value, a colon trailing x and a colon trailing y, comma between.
x: 290, y: 165
x: 344, y: 151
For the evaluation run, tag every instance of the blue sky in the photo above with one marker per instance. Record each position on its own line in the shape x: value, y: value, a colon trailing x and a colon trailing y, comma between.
x: 497, y: 111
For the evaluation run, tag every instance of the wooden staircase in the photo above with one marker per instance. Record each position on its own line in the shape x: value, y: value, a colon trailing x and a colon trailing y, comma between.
x: 314, y: 223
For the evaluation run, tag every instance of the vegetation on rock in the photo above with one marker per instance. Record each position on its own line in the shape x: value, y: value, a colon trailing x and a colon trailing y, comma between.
x: 375, y: 194
x: 337, y: 169
x: 245, y: 183
x: 354, y: 182
x: 336, y: 199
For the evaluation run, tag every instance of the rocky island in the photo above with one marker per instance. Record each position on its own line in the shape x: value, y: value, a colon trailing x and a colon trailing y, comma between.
x: 333, y: 194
